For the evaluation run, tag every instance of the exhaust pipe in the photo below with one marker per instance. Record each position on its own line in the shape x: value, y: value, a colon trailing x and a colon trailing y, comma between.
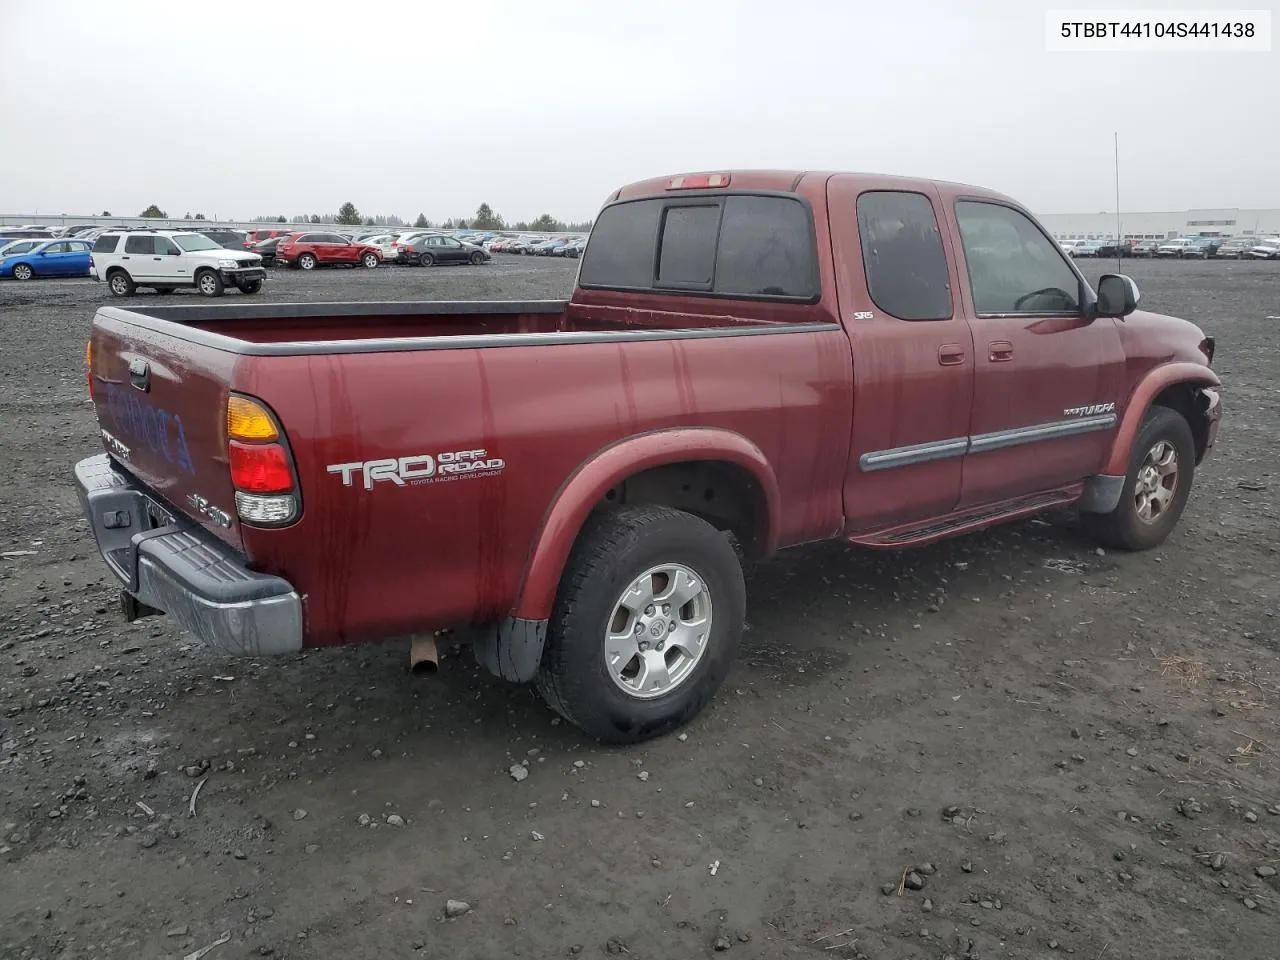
x: 423, y: 658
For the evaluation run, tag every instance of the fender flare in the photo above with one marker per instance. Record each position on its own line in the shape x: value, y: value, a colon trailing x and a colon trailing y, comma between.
x: 608, y: 467
x: 1156, y: 380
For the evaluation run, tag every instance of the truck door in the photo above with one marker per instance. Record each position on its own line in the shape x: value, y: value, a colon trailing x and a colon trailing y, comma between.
x: 913, y: 356
x: 1048, y: 379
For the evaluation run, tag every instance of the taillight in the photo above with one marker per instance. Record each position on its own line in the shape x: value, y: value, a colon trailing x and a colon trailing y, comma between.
x: 88, y: 366
x: 261, y: 467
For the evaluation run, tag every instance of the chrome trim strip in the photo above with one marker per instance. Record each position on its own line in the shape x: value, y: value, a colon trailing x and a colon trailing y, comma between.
x: 917, y: 453
x: 982, y: 443
x: 999, y: 440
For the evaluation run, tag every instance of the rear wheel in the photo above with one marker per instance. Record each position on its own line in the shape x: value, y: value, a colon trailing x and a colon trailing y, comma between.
x: 121, y: 284
x: 426, y: 260
x: 370, y: 260
x: 1156, y: 487
x: 307, y: 261
x: 646, y: 623
x: 209, y: 283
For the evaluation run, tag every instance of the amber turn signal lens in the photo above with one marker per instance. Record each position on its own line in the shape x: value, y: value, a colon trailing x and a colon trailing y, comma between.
x: 248, y: 420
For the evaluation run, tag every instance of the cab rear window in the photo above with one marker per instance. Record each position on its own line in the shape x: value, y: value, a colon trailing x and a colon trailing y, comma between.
x: 744, y: 246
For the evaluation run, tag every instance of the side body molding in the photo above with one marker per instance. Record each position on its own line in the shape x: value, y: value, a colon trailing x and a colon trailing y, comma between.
x: 606, y: 469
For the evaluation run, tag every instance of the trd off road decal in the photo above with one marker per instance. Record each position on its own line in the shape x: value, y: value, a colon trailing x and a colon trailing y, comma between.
x: 419, y: 469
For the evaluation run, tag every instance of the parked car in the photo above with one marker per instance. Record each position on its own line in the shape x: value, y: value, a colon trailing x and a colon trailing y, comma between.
x: 1143, y: 248
x: 1176, y: 247
x: 1203, y: 247
x: 568, y: 503
x: 309, y: 250
x: 1268, y: 249
x: 49, y: 258
x: 431, y: 250
x: 1083, y: 248
x: 384, y: 242
x: 1113, y: 248
x: 256, y: 236
x: 1237, y: 248
x: 572, y: 249
x: 168, y: 259
x: 228, y: 239
x: 266, y: 249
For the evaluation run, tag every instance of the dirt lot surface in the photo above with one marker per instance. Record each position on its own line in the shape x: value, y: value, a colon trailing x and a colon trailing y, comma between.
x: 1075, y: 752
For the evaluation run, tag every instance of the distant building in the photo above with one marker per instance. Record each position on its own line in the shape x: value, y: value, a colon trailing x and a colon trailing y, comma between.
x: 1164, y: 226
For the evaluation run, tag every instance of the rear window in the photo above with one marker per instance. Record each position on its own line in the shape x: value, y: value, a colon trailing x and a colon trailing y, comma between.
x: 734, y: 245
x: 106, y: 244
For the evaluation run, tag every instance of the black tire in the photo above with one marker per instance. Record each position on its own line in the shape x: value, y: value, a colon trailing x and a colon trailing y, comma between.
x: 477, y: 258
x: 307, y: 261
x: 615, y: 547
x: 370, y: 260
x: 209, y: 283
x: 250, y: 286
x: 120, y: 283
x: 164, y: 291
x: 425, y: 260
x: 1123, y: 528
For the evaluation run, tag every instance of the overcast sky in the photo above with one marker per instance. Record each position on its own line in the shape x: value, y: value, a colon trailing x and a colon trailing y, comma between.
x: 534, y: 106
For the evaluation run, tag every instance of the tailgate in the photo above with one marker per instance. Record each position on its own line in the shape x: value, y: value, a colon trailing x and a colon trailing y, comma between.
x: 162, y: 405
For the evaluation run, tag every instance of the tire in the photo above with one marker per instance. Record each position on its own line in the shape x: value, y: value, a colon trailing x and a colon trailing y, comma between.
x: 426, y: 260
x: 307, y: 261
x: 23, y: 271
x: 121, y: 284
x: 616, y: 550
x: 209, y: 283
x: 370, y: 260
x: 1163, y: 431
x: 477, y: 259
x: 164, y: 291
x: 251, y: 287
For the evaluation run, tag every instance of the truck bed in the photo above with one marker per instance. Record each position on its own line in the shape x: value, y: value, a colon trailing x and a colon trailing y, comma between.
x: 310, y: 328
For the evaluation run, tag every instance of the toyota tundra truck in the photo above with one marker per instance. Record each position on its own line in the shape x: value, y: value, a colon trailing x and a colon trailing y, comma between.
x: 748, y: 361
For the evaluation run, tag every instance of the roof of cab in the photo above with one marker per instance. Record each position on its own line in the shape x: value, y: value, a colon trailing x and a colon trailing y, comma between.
x: 789, y: 181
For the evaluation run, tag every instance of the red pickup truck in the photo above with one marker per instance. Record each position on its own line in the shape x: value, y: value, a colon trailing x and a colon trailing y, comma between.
x: 749, y: 360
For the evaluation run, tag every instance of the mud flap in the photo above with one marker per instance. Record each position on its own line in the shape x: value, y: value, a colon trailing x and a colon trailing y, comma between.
x: 1101, y: 494
x: 512, y: 648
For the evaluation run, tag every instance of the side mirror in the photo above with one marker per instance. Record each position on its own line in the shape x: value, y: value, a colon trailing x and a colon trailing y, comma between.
x: 1117, y: 296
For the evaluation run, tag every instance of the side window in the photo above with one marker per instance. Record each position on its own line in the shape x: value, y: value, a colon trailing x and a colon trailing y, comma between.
x: 1013, y: 266
x: 106, y: 244
x: 450, y: 242
x: 767, y: 248
x: 55, y: 248
x: 687, y: 257
x: 139, y: 243
x: 166, y: 247
x: 903, y: 256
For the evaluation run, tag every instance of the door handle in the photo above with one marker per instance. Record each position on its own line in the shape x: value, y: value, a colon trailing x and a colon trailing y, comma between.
x: 1000, y: 351
x: 950, y: 354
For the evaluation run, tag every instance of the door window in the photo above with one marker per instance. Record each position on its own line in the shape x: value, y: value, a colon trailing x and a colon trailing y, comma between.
x: 1013, y: 266
x: 903, y: 256
x: 139, y: 243
x: 55, y: 248
x: 166, y: 247
x: 452, y: 243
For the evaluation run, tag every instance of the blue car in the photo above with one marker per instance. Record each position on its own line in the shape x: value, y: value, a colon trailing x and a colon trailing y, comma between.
x: 51, y: 258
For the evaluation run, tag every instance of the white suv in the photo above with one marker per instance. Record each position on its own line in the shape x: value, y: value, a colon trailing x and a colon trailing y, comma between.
x: 167, y: 259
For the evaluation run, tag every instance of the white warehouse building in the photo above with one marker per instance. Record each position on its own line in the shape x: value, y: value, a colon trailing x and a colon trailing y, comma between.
x: 1233, y: 222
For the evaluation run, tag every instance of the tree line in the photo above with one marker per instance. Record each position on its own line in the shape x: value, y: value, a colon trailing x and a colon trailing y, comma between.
x: 348, y: 215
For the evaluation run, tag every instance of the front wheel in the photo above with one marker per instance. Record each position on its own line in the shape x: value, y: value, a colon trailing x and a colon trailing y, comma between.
x: 646, y: 623
x: 23, y: 272
x: 370, y: 260
x: 209, y: 283
x: 1156, y: 487
x: 477, y: 258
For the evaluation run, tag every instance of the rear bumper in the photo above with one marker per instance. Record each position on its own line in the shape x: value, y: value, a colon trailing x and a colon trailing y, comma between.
x: 179, y: 569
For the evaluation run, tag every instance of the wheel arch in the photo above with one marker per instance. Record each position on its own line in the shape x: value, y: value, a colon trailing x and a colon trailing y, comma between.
x: 1174, y: 385
x: 716, y: 474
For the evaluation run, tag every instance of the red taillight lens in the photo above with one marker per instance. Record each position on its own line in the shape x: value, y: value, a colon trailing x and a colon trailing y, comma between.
x: 259, y: 467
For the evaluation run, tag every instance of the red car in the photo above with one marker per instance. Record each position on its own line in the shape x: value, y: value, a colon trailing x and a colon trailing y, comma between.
x: 749, y: 361
x: 312, y: 249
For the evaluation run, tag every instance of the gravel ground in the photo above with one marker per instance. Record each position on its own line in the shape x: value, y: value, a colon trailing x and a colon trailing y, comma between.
x: 1007, y: 745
